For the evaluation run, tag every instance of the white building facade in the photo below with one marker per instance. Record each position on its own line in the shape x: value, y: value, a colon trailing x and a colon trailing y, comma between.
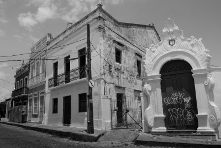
x: 178, y: 94
x: 117, y: 70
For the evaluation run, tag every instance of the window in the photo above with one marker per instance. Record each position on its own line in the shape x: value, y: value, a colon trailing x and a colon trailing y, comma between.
x: 37, y: 68
x: 82, y: 102
x: 139, y: 59
x: 67, y: 69
x: 18, y: 85
x: 55, y: 106
x: 138, y: 68
x: 26, y: 82
x: 118, y: 54
x: 35, y: 105
x: 32, y: 70
x: 55, y: 73
x: 30, y: 103
x: 21, y: 83
x: 82, y: 62
x: 43, y: 65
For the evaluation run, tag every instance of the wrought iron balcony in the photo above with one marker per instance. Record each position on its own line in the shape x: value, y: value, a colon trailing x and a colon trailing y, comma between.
x: 20, y: 91
x: 63, y: 78
x: 36, y: 79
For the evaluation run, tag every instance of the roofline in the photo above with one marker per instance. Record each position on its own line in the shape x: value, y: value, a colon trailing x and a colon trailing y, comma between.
x: 123, y: 24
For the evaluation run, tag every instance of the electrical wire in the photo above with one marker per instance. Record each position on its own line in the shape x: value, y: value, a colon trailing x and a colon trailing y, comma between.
x: 5, y: 88
x: 41, y: 50
x: 7, y: 81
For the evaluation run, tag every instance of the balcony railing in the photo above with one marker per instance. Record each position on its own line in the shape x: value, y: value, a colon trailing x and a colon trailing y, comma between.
x: 36, y: 79
x: 20, y: 91
x: 67, y: 77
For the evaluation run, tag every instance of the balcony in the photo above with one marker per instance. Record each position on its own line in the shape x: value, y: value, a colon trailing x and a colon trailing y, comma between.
x: 64, y: 78
x: 20, y: 91
x: 36, y: 79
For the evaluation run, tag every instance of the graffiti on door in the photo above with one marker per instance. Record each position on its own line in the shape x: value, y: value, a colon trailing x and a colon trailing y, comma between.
x: 179, y: 115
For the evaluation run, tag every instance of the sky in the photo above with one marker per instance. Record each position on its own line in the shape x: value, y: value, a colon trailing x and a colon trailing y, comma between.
x: 24, y: 22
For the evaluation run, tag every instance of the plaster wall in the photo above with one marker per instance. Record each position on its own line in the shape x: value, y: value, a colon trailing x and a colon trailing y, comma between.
x: 216, y: 74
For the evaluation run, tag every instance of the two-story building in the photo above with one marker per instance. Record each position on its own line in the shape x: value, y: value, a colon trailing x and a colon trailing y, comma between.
x: 36, y: 81
x: 117, y: 50
x: 18, y: 101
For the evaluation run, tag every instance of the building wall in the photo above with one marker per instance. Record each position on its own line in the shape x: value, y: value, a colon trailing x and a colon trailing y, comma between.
x: 74, y: 87
x: 216, y: 74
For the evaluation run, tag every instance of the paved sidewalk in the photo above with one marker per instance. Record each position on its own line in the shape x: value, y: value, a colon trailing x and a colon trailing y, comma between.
x: 78, y: 134
x: 157, y: 140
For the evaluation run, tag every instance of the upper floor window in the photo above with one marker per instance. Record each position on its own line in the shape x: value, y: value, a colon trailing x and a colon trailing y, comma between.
x: 38, y: 68
x: 21, y: 83
x: 82, y: 62
x: 32, y: 70
x: 118, y: 55
x: 25, y: 81
x: 138, y: 68
x: 43, y: 65
x: 139, y: 64
x: 18, y: 85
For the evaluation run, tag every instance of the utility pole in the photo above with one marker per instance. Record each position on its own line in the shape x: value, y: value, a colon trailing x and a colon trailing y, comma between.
x: 90, y: 121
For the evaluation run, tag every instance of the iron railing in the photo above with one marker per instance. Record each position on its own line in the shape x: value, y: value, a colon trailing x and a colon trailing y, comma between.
x: 39, y: 78
x: 20, y: 91
x: 63, y: 78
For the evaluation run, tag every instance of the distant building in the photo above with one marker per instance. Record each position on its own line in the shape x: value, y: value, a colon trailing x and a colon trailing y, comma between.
x: 117, y: 50
x: 182, y: 91
x: 17, y: 110
x: 36, y: 83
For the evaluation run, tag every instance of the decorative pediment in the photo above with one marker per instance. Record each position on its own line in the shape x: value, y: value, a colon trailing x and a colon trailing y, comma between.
x: 172, y: 40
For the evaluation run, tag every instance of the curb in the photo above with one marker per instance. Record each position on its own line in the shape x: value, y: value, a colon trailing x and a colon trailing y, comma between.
x: 77, y: 136
x: 177, y: 143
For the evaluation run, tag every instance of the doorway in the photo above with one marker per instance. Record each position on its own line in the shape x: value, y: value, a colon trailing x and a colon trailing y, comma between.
x: 120, y: 113
x: 67, y: 110
x: 178, y: 96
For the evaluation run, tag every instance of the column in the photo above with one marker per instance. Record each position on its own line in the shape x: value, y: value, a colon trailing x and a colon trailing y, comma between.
x: 156, y: 100
x: 202, y: 100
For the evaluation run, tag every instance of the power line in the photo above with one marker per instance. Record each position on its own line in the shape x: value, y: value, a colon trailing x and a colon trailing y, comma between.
x: 41, y: 50
x: 5, y: 88
x: 7, y: 81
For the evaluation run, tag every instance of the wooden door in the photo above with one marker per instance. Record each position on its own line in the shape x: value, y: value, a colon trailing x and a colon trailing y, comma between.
x: 41, y: 108
x: 67, y: 110
x: 179, y: 99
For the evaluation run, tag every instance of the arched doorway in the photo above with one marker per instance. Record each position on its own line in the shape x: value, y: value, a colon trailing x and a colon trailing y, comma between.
x: 178, y: 96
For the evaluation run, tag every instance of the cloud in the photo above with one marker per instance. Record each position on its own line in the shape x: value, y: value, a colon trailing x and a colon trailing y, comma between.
x: 51, y: 9
x: 46, y: 10
x: 2, y: 33
x: 3, y: 75
x: 33, y: 39
x: 3, y: 65
x: 2, y: 11
x: 18, y: 37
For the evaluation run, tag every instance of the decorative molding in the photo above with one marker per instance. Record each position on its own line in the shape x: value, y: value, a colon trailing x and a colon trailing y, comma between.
x: 191, y: 46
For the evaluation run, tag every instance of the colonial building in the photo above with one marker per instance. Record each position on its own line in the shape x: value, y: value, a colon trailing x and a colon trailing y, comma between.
x: 179, y: 96
x: 117, y: 50
x: 17, y: 111
x: 36, y: 81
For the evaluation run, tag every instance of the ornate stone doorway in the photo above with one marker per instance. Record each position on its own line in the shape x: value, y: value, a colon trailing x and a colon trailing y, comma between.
x: 178, y: 96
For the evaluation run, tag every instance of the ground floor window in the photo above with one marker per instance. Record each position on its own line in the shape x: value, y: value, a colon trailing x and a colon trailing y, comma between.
x: 35, y: 104
x: 55, y: 106
x: 82, y: 102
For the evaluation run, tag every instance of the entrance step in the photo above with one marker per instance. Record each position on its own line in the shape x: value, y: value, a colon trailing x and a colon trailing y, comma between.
x: 120, y: 135
x: 202, y: 135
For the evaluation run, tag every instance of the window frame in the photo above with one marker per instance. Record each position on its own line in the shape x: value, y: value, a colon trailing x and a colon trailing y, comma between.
x: 21, y: 83
x: 35, y: 104
x: 80, y: 100
x: 54, y: 108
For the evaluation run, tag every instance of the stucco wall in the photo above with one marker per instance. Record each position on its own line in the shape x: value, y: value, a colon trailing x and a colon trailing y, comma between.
x: 216, y: 74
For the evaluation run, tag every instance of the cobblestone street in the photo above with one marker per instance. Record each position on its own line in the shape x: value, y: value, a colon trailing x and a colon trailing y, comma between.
x: 16, y: 137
